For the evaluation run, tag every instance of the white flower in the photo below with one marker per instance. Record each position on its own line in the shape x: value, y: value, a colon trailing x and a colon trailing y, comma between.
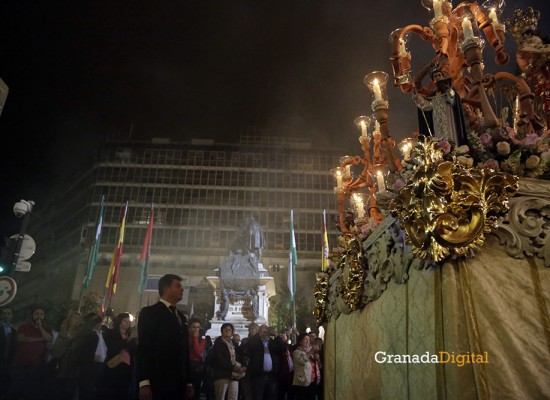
x: 467, y: 161
x: 463, y: 149
x: 545, y: 157
x: 503, y: 148
x: 532, y: 162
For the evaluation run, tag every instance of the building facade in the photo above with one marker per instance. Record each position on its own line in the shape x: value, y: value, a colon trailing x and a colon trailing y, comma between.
x: 202, y: 191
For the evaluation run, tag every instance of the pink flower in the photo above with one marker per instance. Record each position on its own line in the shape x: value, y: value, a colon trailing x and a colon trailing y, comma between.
x: 492, y: 164
x: 532, y: 162
x: 446, y: 146
x: 486, y: 140
x: 530, y: 140
x: 398, y: 185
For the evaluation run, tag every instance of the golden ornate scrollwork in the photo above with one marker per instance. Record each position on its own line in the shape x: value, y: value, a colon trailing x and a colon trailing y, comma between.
x: 446, y: 208
x: 350, y: 288
x: 320, y: 292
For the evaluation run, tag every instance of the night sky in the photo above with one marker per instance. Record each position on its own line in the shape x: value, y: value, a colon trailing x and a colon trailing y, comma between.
x: 83, y: 71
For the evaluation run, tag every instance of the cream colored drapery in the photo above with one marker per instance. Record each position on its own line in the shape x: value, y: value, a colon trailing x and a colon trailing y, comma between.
x: 492, y: 303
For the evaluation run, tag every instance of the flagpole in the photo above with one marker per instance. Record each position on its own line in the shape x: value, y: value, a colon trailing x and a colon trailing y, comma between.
x: 93, y: 253
x: 293, y: 260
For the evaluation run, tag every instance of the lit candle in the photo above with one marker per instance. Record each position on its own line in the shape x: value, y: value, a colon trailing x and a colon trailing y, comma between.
x: 380, y: 181
x: 402, y: 49
x: 348, y: 169
x: 376, y: 90
x: 359, y: 205
x: 363, y: 129
x: 438, y: 11
x: 493, y: 16
x: 467, y: 29
x: 407, y: 151
x: 338, y: 179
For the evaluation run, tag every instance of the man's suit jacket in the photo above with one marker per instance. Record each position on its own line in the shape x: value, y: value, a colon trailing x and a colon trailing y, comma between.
x: 7, y: 345
x: 163, y: 352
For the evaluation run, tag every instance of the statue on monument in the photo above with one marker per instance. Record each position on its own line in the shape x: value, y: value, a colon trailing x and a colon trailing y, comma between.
x: 239, y: 273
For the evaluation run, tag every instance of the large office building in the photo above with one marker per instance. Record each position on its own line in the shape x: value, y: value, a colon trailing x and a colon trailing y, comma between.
x: 202, y: 191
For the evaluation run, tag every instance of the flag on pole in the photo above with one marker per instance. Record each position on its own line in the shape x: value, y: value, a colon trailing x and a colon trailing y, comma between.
x: 293, y: 259
x: 95, y: 247
x: 146, y: 252
x: 192, y: 310
x: 112, y: 276
x: 324, y: 260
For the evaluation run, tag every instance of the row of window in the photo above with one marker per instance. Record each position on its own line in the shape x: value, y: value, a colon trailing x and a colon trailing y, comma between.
x: 194, y: 197
x: 215, y: 177
x: 272, y: 159
x: 214, y: 219
x: 204, y: 238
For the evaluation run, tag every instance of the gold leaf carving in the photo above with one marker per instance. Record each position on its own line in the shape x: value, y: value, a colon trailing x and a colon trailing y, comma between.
x: 446, y: 208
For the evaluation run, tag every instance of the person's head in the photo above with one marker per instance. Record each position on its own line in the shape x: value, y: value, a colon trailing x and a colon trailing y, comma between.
x: 122, y: 322
x: 194, y: 327
x: 37, y: 314
x: 74, y: 319
x: 252, y: 329
x: 263, y: 331
x: 208, y: 341
x: 227, y: 330
x: 236, y: 339
x: 303, y: 340
x: 92, y: 321
x: 272, y: 331
x: 170, y: 288
x: 312, y: 336
x: 7, y: 315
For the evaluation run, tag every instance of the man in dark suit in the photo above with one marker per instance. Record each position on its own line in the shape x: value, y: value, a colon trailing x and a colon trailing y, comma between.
x: 7, y: 348
x: 163, y: 350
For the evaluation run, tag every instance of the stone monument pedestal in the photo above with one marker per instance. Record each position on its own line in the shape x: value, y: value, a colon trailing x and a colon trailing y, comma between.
x: 240, y: 312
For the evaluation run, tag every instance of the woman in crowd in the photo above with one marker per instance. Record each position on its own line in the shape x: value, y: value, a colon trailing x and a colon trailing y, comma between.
x: 63, y: 359
x: 304, y: 375
x: 121, y: 344
x: 196, y: 353
x: 227, y: 370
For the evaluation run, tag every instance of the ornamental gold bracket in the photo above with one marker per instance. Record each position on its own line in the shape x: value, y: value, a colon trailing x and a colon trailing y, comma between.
x: 447, y: 208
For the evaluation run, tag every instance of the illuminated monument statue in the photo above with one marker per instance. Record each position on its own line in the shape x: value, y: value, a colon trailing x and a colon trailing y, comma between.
x: 242, y: 287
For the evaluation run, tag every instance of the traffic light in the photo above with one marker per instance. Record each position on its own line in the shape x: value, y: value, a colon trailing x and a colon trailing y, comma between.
x: 6, y: 257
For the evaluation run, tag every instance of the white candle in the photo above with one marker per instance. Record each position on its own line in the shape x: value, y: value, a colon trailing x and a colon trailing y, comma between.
x: 493, y: 16
x: 363, y: 129
x: 376, y: 90
x: 348, y: 169
x: 438, y: 11
x: 338, y: 179
x: 380, y: 181
x: 407, y: 151
x: 402, y: 49
x: 467, y: 29
x: 360, y: 207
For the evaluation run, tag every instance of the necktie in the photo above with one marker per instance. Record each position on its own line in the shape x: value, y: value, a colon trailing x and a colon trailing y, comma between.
x: 175, y: 313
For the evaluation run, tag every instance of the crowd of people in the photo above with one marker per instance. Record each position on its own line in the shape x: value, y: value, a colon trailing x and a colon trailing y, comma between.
x: 167, y: 357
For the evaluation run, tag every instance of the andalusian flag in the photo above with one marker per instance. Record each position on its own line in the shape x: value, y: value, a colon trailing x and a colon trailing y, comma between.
x: 112, y: 276
x: 293, y: 259
x: 146, y: 252
x: 95, y: 247
x: 324, y: 260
